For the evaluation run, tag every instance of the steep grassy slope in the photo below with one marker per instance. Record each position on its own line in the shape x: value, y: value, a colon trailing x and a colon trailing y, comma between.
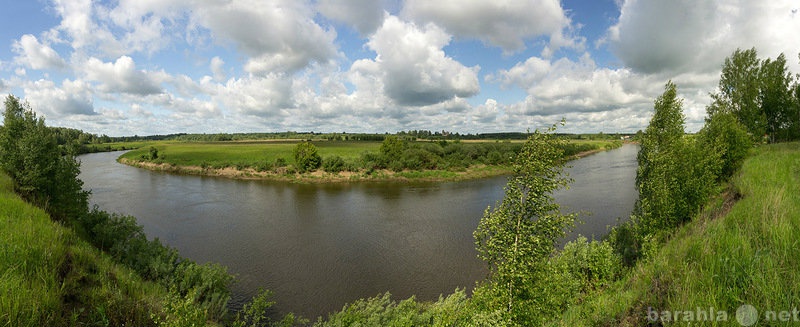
x: 747, y: 253
x: 50, y: 277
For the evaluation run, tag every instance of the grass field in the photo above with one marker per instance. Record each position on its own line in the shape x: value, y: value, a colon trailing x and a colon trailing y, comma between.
x: 51, y: 277
x: 722, y: 261
x: 246, y: 154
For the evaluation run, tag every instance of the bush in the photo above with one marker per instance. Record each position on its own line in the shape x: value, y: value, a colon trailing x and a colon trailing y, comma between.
x: 724, y: 133
x: 30, y: 155
x: 333, y: 164
x: 594, y: 264
x: 306, y: 157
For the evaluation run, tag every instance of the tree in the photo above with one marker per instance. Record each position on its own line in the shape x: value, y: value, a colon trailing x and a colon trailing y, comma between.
x: 393, y: 147
x: 30, y: 155
x: 675, y: 176
x: 739, y: 91
x: 724, y: 133
x: 306, y: 157
x: 775, y: 97
x: 518, y: 236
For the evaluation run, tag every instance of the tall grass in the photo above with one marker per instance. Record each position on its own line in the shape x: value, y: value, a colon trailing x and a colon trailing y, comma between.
x: 720, y: 260
x: 50, y: 277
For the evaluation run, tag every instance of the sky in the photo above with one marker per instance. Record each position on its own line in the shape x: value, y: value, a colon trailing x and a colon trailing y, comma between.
x: 144, y: 67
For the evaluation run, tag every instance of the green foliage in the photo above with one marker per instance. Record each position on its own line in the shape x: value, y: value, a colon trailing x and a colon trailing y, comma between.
x: 761, y: 94
x: 181, y: 311
x: 50, y: 277
x: 676, y: 175
x: 153, y: 153
x: 738, y: 250
x: 593, y: 265
x: 255, y: 313
x: 739, y: 91
x: 30, y: 155
x: 333, y: 164
x: 306, y: 157
x: 725, y: 134
x: 393, y: 147
x: 453, y: 310
x: 517, y: 237
x: 122, y: 238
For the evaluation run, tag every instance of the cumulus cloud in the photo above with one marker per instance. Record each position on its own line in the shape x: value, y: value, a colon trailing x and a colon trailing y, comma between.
x: 121, y: 76
x: 257, y: 96
x: 36, y: 55
x: 363, y: 15
x: 79, y: 26
x: 505, y: 24
x: 74, y: 97
x: 654, y: 36
x: 217, y: 69
x: 566, y: 86
x: 412, y: 66
x: 278, y: 36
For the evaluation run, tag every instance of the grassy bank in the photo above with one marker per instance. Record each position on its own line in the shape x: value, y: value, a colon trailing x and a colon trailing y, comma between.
x: 51, y: 277
x: 360, y: 160
x: 731, y: 255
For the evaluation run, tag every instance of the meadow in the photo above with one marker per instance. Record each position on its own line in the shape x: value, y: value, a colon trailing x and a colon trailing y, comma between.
x: 273, y: 159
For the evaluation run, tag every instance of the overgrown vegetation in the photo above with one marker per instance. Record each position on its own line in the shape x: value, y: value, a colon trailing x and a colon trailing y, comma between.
x: 63, y: 281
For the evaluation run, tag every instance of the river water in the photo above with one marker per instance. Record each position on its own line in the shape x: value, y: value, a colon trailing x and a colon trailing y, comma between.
x: 321, y: 246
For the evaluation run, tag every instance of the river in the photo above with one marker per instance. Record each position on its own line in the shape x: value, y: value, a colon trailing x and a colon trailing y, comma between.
x: 321, y: 246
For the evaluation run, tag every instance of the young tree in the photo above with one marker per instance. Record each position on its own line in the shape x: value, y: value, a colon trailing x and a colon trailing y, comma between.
x: 739, y: 89
x: 30, y: 155
x: 306, y: 157
x: 518, y: 236
x: 675, y: 174
x: 775, y: 98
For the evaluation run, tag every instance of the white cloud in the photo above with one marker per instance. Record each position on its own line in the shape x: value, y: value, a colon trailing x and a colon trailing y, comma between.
x: 503, y: 23
x: 363, y: 15
x: 263, y: 96
x: 654, y: 36
x: 414, y: 69
x: 79, y: 26
x: 278, y: 36
x: 72, y: 98
x: 36, y: 55
x: 217, y: 69
x: 121, y: 76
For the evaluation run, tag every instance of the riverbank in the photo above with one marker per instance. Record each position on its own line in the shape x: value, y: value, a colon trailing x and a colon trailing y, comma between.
x: 740, y: 252
x: 52, y: 277
x: 238, y: 160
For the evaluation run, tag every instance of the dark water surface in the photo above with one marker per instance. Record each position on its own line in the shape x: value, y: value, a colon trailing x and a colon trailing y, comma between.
x: 321, y: 246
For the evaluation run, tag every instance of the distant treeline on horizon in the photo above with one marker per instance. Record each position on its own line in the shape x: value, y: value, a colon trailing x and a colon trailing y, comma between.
x: 65, y: 135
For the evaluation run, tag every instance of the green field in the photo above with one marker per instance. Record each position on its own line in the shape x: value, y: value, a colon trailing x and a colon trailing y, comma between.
x: 426, y: 160
x: 246, y: 154
x: 718, y: 260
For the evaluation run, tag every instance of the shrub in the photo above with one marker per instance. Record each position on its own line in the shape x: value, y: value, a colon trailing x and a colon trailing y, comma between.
x: 333, y: 164
x: 306, y: 157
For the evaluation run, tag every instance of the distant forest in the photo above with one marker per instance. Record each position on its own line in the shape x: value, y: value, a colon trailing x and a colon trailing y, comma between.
x: 70, y: 135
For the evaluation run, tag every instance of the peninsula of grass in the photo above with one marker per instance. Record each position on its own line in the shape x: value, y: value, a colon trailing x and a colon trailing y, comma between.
x: 342, y: 161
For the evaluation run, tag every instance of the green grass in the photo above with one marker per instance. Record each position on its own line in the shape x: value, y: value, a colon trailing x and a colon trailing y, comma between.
x: 246, y: 154
x: 118, y: 146
x: 50, y: 277
x: 751, y: 255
